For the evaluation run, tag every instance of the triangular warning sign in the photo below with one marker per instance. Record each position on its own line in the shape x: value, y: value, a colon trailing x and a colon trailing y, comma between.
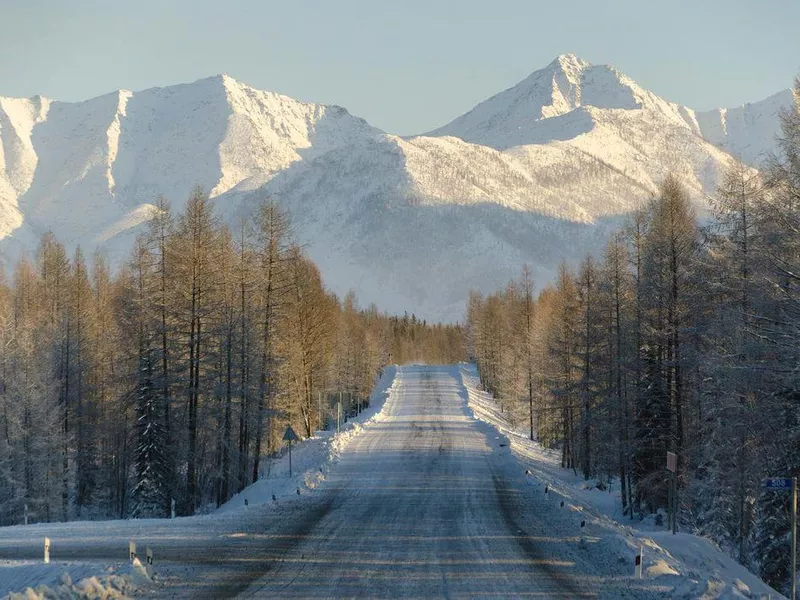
x: 289, y: 435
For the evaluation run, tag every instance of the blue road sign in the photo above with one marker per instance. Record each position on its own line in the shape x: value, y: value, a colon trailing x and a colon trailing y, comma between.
x: 289, y: 435
x: 778, y: 484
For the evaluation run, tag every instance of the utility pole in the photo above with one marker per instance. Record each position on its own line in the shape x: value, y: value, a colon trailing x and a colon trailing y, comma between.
x: 784, y: 484
x: 794, y: 538
x: 674, y: 503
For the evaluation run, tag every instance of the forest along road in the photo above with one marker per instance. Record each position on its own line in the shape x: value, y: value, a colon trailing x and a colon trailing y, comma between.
x: 425, y: 502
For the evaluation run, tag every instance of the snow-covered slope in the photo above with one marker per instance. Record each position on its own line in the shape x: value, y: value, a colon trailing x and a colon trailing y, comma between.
x: 747, y: 132
x: 524, y: 114
x: 512, y: 118
x: 90, y: 171
x: 535, y: 174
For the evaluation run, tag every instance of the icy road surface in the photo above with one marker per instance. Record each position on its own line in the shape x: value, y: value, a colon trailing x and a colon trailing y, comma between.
x: 425, y: 502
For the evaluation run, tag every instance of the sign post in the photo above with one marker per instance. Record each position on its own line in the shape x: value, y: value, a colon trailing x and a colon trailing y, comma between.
x: 794, y: 538
x: 784, y: 484
x: 672, y: 467
x: 288, y: 436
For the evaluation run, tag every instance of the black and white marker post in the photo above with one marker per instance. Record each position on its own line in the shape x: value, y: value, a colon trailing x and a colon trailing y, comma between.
x: 784, y: 484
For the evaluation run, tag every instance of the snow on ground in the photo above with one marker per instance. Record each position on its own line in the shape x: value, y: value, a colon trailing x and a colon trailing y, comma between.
x: 312, y: 458
x: 687, y: 566
x: 93, y: 572
x: 430, y: 502
x: 55, y: 581
x: 194, y: 553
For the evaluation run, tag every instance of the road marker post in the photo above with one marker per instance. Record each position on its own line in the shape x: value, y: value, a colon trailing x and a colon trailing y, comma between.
x: 26, y: 514
x: 638, y: 562
x: 132, y: 550
x: 149, y: 562
x: 46, y: 550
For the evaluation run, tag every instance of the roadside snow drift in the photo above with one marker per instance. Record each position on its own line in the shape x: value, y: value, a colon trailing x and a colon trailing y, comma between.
x: 312, y: 458
x: 685, y: 565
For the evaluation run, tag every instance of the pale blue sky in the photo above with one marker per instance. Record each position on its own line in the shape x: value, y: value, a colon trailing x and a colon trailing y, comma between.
x: 406, y: 66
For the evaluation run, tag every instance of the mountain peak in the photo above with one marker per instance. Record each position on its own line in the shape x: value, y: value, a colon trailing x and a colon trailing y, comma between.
x: 507, y: 117
x: 227, y: 80
x: 515, y: 116
x: 569, y: 62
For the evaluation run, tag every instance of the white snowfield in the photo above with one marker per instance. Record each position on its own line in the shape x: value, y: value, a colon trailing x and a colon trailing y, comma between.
x: 534, y: 174
x: 418, y: 498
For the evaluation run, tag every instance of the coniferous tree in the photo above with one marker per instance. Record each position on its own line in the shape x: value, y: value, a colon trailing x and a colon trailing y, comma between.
x: 197, y: 279
x: 188, y: 361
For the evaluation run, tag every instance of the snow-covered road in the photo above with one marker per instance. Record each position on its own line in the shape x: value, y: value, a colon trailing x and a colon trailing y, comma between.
x: 426, y: 501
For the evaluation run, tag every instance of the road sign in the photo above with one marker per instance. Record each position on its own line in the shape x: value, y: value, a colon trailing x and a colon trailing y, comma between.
x: 289, y: 435
x: 672, y: 462
x: 672, y: 467
x: 781, y: 484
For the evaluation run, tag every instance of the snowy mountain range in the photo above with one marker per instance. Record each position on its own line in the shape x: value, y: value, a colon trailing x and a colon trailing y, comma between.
x: 537, y: 174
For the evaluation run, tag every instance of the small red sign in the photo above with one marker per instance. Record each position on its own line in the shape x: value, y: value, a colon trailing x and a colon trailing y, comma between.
x: 672, y: 462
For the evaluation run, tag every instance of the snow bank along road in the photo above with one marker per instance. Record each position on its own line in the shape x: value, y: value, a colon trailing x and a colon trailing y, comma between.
x: 426, y: 501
